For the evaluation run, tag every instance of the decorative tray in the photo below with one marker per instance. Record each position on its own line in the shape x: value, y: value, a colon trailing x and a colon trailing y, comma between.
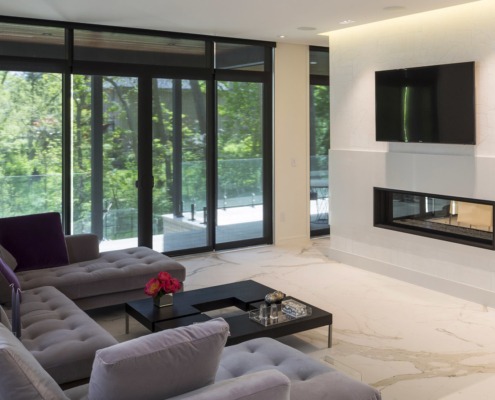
x: 289, y: 310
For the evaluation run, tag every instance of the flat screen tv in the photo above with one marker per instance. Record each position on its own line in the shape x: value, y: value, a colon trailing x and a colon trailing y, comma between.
x: 433, y: 104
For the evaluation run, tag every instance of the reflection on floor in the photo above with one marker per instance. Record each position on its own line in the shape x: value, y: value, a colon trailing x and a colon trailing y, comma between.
x: 410, y: 342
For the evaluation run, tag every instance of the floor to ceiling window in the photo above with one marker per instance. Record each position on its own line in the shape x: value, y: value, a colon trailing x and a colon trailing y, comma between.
x: 143, y: 138
x: 31, y: 119
x: 105, y: 159
x: 319, y: 141
x: 179, y: 164
x: 242, y: 148
x: 30, y: 142
x: 239, y: 161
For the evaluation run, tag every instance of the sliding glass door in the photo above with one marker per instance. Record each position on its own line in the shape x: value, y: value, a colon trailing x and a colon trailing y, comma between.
x: 180, y: 216
x: 105, y: 162
x: 105, y: 179
x: 239, y: 147
x: 104, y: 157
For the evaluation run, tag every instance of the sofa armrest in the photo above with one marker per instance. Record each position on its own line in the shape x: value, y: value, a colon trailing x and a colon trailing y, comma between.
x: 82, y: 247
x: 262, y: 385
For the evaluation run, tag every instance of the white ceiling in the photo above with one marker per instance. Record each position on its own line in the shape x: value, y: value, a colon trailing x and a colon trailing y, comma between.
x: 301, y: 21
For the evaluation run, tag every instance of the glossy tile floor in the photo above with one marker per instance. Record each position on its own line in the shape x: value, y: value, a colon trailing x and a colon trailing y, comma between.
x: 407, y: 341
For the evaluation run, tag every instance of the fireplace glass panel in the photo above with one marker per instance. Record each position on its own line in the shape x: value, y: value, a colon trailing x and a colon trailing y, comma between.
x: 467, y: 221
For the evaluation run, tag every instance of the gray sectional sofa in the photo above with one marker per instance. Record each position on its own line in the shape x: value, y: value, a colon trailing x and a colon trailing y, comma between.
x: 35, y: 247
x: 48, y: 340
x: 184, y: 363
x: 57, y: 277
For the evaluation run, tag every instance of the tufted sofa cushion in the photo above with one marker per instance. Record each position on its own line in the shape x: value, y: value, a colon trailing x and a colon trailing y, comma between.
x: 22, y: 378
x: 113, y: 272
x: 307, y: 376
x: 62, y: 337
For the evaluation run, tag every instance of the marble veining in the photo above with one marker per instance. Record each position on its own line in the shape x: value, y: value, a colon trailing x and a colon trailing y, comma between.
x: 405, y: 340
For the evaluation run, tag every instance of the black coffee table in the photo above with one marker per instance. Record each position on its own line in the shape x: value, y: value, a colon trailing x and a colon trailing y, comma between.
x: 237, y: 299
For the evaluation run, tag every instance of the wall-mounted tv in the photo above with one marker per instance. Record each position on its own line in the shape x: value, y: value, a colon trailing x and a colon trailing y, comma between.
x: 433, y: 104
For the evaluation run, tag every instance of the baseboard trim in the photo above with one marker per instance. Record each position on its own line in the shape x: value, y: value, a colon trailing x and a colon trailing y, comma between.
x: 294, y: 241
x: 451, y: 288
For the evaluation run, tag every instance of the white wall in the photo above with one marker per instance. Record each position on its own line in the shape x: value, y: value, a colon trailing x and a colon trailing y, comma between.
x: 291, y: 144
x: 358, y: 162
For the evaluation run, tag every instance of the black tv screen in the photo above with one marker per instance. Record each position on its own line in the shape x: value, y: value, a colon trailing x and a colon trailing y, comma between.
x: 433, y: 104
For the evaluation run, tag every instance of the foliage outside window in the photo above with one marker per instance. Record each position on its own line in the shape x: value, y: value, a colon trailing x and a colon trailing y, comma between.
x: 319, y: 141
x: 73, y: 142
x: 30, y: 142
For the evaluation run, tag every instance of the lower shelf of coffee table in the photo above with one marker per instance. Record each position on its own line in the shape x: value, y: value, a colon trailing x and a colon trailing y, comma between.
x: 282, y: 317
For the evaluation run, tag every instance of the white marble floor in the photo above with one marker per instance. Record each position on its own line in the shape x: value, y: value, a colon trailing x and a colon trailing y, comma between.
x: 407, y: 341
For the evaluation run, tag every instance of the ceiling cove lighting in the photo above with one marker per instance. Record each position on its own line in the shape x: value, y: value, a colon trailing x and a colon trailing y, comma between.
x: 394, y: 8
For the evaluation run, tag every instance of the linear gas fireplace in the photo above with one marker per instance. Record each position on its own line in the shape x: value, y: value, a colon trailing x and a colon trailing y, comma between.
x: 455, y: 219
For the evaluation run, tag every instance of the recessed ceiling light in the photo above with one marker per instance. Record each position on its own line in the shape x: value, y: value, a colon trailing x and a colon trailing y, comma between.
x: 346, y: 22
x: 306, y: 28
x: 281, y: 36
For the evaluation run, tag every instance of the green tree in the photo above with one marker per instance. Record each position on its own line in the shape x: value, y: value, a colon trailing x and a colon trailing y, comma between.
x: 30, y: 142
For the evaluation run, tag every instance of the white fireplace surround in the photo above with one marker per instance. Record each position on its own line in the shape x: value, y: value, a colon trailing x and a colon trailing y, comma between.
x: 358, y: 163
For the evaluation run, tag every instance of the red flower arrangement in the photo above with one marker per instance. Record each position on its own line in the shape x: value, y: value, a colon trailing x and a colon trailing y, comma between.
x: 162, y: 284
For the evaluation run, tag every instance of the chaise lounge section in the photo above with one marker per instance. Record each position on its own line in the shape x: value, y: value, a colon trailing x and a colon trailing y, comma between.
x: 35, y: 247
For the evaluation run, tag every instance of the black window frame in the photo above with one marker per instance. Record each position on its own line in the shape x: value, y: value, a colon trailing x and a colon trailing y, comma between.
x: 69, y: 66
x: 321, y: 80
